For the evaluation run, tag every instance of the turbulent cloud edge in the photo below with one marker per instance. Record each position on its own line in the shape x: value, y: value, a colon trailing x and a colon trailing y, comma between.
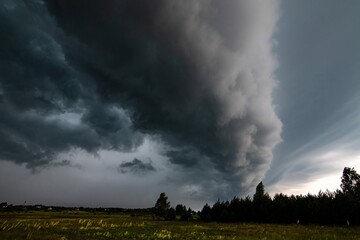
x: 91, y: 75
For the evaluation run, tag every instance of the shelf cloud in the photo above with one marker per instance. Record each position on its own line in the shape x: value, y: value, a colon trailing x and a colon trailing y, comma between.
x: 196, y: 76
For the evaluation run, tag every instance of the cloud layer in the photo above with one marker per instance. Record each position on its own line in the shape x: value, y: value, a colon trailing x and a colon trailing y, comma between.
x: 196, y: 76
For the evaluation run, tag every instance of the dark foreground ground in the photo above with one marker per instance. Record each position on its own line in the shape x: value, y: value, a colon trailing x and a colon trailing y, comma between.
x: 82, y: 225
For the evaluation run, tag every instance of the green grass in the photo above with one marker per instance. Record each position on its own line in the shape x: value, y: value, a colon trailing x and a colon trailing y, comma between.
x: 63, y: 226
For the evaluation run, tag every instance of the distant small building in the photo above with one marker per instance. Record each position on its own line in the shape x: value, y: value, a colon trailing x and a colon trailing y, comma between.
x: 49, y: 209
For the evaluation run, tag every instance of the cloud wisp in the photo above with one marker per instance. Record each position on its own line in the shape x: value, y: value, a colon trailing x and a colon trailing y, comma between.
x: 322, y: 158
x: 195, y: 75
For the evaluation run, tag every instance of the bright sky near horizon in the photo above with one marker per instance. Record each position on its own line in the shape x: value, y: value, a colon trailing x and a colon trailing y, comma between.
x: 318, y: 96
x: 109, y: 104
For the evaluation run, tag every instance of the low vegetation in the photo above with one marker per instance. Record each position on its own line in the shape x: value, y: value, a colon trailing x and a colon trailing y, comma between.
x: 62, y: 226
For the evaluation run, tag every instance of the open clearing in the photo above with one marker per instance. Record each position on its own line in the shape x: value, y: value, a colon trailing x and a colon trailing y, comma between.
x: 82, y: 226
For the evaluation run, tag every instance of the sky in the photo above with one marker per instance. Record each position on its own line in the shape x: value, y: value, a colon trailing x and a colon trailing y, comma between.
x: 108, y: 104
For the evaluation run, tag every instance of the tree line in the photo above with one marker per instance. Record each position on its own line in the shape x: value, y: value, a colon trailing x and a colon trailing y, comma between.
x: 339, y: 207
x: 162, y: 209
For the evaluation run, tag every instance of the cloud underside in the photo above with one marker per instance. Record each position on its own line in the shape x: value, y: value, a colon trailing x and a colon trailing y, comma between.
x: 91, y: 75
x: 136, y: 166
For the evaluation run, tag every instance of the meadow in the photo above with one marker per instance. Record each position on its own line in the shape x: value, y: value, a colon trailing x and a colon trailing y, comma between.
x: 77, y: 225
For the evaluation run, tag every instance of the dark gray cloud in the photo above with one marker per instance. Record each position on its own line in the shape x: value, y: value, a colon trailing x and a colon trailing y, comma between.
x: 100, y: 75
x: 137, y: 167
x: 48, y: 105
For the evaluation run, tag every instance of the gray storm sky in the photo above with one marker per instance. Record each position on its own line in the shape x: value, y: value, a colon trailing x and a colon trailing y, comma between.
x: 111, y: 104
x: 318, y: 97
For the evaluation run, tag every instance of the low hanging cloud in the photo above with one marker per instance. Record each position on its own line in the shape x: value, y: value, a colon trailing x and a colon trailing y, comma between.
x: 197, y: 75
x: 137, y: 167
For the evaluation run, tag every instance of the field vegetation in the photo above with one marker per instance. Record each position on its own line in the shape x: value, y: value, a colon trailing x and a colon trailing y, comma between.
x: 83, y: 225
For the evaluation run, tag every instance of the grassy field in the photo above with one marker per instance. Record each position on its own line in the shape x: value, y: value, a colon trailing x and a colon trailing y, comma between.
x: 82, y: 226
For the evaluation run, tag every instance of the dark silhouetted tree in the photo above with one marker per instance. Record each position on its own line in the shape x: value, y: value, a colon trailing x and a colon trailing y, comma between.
x: 205, y: 214
x: 171, y: 214
x: 180, y: 210
x: 260, y: 192
x: 350, y: 182
x: 262, y: 204
x: 162, y: 206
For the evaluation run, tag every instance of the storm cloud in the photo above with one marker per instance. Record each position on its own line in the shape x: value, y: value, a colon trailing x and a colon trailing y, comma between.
x: 196, y: 76
x: 136, y: 166
x: 47, y: 105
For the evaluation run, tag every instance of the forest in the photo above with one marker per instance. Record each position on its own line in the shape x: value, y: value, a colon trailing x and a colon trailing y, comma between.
x: 326, y: 208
